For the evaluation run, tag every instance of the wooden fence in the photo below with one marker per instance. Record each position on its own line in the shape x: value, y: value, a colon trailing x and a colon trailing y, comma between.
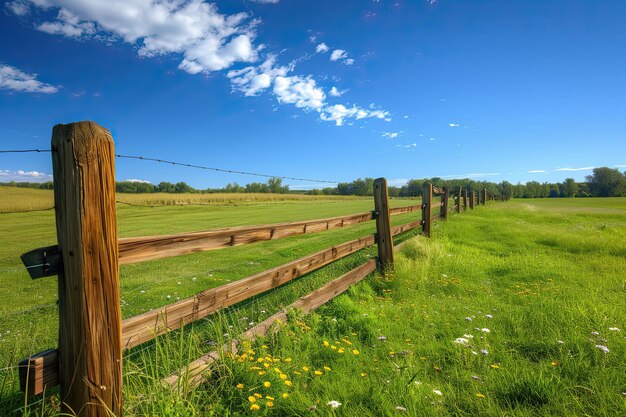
x: 92, y: 335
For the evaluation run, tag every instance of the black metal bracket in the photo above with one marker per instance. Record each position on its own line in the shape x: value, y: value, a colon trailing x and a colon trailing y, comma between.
x: 43, y: 262
x: 374, y: 214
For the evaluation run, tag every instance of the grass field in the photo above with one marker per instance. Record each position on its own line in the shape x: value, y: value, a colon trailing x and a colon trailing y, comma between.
x: 507, y: 310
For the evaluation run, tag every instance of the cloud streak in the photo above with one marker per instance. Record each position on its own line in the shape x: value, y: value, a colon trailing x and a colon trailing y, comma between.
x: 14, y: 79
x: 23, y: 176
x: 575, y: 169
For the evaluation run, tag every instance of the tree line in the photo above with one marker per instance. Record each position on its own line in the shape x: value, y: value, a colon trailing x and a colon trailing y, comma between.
x: 603, y: 182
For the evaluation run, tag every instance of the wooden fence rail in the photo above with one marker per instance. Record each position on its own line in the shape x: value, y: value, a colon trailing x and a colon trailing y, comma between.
x: 92, y: 336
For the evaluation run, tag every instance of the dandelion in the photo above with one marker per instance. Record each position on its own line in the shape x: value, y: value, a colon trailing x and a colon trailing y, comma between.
x: 288, y: 383
x: 436, y: 391
x: 555, y: 363
x: 560, y: 342
x: 479, y: 395
x: 494, y: 366
x: 285, y: 395
x: 603, y: 348
x: 327, y: 369
x: 595, y: 333
x: 363, y: 374
x: 254, y: 407
x: 256, y: 394
x: 326, y: 344
x: 267, y: 384
x: 305, y: 368
x: 489, y: 316
x: 269, y: 404
x: 334, y: 404
x: 287, y: 360
x: 333, y: 347
x: 341, y: 350
x: 239, y: 386
x: 261, y: 373
x: 355, y: 352
x: 252, y: 399
x: 318, y: 373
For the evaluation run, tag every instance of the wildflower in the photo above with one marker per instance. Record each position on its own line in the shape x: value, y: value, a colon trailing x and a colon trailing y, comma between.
x: 288, y: 383
x: 461, y: 341
x: 252, y: 399
x: 261, y: 373
x: 341, y: 350
x: 333, y: 347
x: 479, y: 395
x: 355, y: 352
x: 484, y: 351
x: 239, y: 386
x: 468, y: 336
x: 485, y: 330
x: 305, y: 368
x: 334, y: 404
x: 489, y: 316
x: 382, y: 338
x: 254, y: 407
x: 267, y: 384
x: 267, y: 365
x: 285, y: 395
x: 256, y: 394
x: 560, y: 342
x: 400, y: 408
x: 326, y: 344
x: 267, y: 397
x: 614, y: 329
x: 287, y: 360
x: 603, y: 348
x: 468, y: 319
x: 595, y: 333
x: 555, y: 363
x: 494, y: 366
x: 260, y: 360
x: 269, y: 404
x: 418, y: 383
x: 318, y: 373
x: 436, y: 391
x: 363, y: 374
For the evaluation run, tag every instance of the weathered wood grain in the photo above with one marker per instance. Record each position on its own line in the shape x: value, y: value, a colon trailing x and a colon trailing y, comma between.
x: 427, y: 205
x: 194, y: 374
x: 90, y: 356
x: 384, y: 239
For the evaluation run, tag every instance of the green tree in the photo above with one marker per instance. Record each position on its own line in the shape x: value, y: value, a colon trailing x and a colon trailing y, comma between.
x: 505, y: 189
x: 605, y: 182
x: 569, y: 188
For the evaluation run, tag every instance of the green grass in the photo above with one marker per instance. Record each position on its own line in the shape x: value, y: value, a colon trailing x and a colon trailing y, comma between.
x: 542, y: 275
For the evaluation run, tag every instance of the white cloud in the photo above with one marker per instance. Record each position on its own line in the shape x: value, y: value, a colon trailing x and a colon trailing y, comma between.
x: 391, y: 135
x: 23, y: 176
x: 575, y: 169
x: 321, y: 48
x: 348, y: 61
x: 18, y: 7
x: 12, y: 78
x: 300, y: 91
x: 334, y: 92
x: 266, y: 1
x: 454, y: 124
x: 397, y: 182
x: 338, y: 113
x: 619, y: 166
x: 136, y: 180
x: 338, y: 54
x: 536, y: 171
x: 208, y: 41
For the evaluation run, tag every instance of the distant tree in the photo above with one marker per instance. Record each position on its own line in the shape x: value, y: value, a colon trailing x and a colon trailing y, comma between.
x: 275, y: 186
x: 505, y: 189
x: 569, y: 188
x: 257, y: 187
x: 605, y: 182
x: 182, y: 187
x: 554, y: 191
x: 394, y: 191
x: 166, y: 187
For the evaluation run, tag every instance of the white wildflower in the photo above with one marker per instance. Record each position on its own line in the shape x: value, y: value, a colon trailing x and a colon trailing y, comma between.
x: 560, y: 342
x: 167, y: 297
x: 436, y: 391
x: 468, y: 336
x: 400, y: 408
x: 461, y: 341
x: 489, y: 316
x: 484, y: 351
x: 444, y: 275
x: 614, y: 329
x: 603, y: 348
x: 485, y: 330
x: 418, y: 383
x: 474, y: 352
x: 382, y: 338
x: 468, y: 319
x: 334, y: 404
x: 595, y: 333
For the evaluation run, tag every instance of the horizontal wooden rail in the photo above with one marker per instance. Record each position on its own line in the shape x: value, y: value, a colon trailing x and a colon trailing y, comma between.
x: 405, y: 227
x: 139, y: 249
x: 39, y: 371
x: 193, y: 374
x: 144, y: 327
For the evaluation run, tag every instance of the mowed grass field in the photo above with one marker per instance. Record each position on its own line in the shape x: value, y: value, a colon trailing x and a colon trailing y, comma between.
x: 515, y: 309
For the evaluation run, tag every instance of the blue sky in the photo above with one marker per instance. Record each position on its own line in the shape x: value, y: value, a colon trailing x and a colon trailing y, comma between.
x: 492, y: 90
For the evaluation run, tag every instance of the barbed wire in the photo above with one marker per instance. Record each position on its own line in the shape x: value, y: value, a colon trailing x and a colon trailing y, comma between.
x: 204, y: 167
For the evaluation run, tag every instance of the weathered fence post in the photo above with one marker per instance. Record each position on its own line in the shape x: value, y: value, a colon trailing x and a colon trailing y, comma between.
x: 383, y: 225
x: 90, y: 355
x: 427, y: 201
x: 458, y: 200
x: 472, y: 199
x: 444, y: 203
x: 464, y: 192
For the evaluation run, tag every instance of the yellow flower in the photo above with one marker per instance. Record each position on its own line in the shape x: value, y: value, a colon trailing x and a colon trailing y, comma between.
x: 256, y: 394
x: 305, y: 368
x: 296, y: 372
x: 326, y: 344
x: 347, y: 342
x: 269, y: 398
x: 288, y: 383
x: 267, y: 365
x: 260, y: 360
x: 285, y: 395
x: 333, y: 347
x: 287, y: 360
x: 267, y: 384
x: 326, y: 368
x: 354, y: 351
x: 269, y: 403
x: 316, y: 372
x: 254, y: 407
x: 264, y: 346
x: 239, y: 386
x: 555, y: 363
x: 283, y: 376
x: 252, y: 399
x: 277, y: 371
x: 494, y: 366
x: 363, y: 374
x: 341, y: 350
x: 479, y: 395
x: 261, y: 373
